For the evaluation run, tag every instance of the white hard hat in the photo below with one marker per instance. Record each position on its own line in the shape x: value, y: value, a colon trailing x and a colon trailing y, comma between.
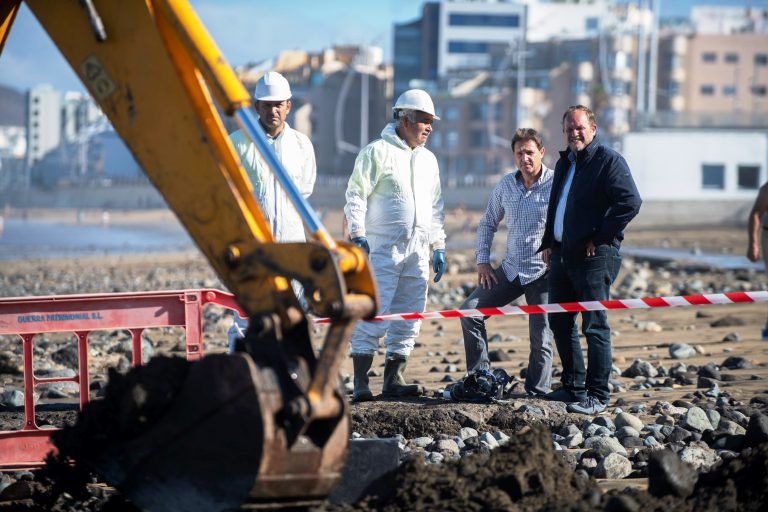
x: 416, y: 99
x: 272, y: 87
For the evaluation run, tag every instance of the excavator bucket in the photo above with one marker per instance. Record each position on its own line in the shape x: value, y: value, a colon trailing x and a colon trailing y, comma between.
x: 213, y: 434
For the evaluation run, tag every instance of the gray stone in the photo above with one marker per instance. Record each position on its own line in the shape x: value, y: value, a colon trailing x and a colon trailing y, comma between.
x: 466, y: 432
x: 710, y: 371
x: 696, y: 419
x: 501, y: 438
x: 714, y: 417
x: 699, y: 455
x: 632, y: 442
x: 625, y: 419
x: 668, y: 475
x: 651, y: 441
x: 713, y: 392
x: 728, y: 321
x: 12, y: 398
x: 665, y: 419
x: 489, y: 440
x: 569, y: 430
x: 681, y: 351
x: 446, y: 446
x: 574, y: 440
x: 613, y: 466
x: 604, y: 421
x: 730, y: 427
x: 590, y: 430
x: 640, y: 368
x: 626, y: 431
x: 434, y: 458
x: 737, y: 363
x: 605, y: 445
x: 603, y: 431
x: 757, y: 430
x: 588, y: 462
x: 676, y: 434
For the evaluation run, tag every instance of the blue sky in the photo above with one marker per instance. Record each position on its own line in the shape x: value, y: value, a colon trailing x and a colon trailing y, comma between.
x: 252, y: 30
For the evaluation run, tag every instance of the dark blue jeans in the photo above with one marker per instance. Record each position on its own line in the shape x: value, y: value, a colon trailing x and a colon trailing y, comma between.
x: 581, y: 278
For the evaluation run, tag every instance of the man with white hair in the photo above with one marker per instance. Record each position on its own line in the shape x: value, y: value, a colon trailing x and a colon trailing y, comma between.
x: 395, y: 212
x: 272, y: 103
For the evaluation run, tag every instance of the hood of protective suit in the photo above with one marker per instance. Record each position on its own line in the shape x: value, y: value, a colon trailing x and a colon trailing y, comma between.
x: 394, y: 192
x: 295, y: 152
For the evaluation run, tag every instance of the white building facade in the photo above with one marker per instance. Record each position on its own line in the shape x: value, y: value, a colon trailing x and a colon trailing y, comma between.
x: 697, y: 165
x: 43, y: 122
x: 470, y: 32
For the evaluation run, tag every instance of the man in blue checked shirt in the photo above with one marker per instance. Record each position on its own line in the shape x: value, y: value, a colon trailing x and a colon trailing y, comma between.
x: 521, y: 198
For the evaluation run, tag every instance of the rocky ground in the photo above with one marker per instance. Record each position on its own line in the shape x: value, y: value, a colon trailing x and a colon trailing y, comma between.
x: 686, y: 421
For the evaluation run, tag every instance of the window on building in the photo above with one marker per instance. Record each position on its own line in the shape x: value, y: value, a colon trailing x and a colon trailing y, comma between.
x: 497, y: 111
x: 709, y: 57
x: 451, y: 114
x: 435, y: 139
x: 761, y: 59
x: 484, y: 20
x: 707, y: 90
x: 477, y: 164
x: 713, y: 176
x: 731, y: 58
x: 759, y: 90
x: 749, y: 177
x: 592, y: 23
x: 480, y: 111
x: 673, y: 89
x: 467, y: 47
x: 458, y: 165
x: 729, y: 90
x: 479, y: 138
x: 451, y: 139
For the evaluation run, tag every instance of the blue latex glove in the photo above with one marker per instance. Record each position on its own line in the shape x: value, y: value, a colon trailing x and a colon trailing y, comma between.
x: 438, y: 263
x: 362, y: 243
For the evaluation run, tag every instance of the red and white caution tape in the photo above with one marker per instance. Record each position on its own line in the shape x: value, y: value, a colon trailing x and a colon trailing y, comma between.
x: 575, y: 307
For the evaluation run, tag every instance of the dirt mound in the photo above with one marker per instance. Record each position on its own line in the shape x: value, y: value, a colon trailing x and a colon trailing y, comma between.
x: 525, y: 474
x: 430, y: 417
x: 735, y: 484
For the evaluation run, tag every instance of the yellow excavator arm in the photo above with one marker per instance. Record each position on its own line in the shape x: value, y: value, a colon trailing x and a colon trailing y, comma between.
x: 158, y: 77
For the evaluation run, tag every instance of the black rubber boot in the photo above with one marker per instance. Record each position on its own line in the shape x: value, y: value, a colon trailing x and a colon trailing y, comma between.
x: 394, y: 382
x: 362, y: 363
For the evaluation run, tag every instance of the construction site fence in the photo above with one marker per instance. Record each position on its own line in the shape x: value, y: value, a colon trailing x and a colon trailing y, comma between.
x: 81, y: 315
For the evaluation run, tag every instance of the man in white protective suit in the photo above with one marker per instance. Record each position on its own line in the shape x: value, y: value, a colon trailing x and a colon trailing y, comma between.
x: 272, y: 97
x: 395, y: 212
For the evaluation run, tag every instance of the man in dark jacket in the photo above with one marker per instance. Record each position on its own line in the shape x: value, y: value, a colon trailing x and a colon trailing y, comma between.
x: 593, y: 199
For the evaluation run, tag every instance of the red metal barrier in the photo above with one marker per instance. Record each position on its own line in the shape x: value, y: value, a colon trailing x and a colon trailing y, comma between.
x: 82, y: 314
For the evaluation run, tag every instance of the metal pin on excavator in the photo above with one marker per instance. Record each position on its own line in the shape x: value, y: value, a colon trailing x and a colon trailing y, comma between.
x: 155, y: 72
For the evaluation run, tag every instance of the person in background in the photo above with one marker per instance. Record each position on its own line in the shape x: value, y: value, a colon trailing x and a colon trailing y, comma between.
x: 394, y: 211
x: 521, y: 198
x: 757, y: 234
x: 593, y: 199
x: 272, y: 96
